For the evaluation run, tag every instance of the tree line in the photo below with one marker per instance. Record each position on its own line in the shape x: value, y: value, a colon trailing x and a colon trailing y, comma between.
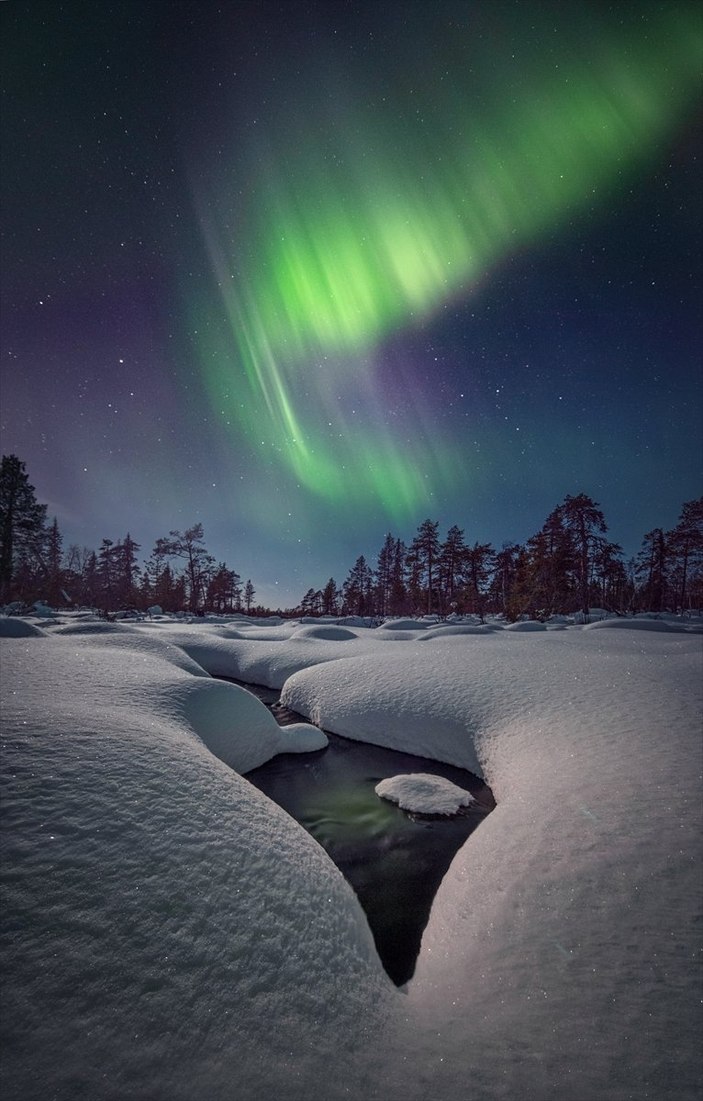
x: 179, y: 575
x: 568, y: 566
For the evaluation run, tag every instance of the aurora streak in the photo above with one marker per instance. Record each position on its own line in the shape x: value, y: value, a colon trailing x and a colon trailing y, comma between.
x: 363, y: 219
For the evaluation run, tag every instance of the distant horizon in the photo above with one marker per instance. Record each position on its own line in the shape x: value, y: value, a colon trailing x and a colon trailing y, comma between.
x: 371, y: 554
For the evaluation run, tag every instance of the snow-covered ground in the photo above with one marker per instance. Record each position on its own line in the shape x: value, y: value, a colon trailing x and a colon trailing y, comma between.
x: 168, y: 933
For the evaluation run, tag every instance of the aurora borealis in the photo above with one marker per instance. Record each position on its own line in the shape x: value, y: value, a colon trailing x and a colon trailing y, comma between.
x: 338, y: 259
x: 334, y: 268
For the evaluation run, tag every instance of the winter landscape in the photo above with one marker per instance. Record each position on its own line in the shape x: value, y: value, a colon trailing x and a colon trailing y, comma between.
x: 168, y: 932
x: 351, y: 651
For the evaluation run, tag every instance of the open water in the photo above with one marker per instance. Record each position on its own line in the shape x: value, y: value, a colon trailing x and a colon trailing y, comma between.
x: 394, y: 861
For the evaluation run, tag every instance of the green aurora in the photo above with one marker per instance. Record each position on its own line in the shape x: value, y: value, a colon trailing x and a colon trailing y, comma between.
x: 367, y: 215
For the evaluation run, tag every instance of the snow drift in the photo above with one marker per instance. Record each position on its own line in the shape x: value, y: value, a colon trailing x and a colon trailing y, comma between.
x: 168, y: 932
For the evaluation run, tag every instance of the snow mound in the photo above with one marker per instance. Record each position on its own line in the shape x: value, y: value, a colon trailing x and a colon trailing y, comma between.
x: 424, y: 794
x: 405, y: 624
x: 457, y: 629
x: 301, y: 738
x: 636, y: 625
x: 526, y: 625
x: 330, y: 632
x: 10, y: 627
x: 238, y: 729
x: 262, y: 656
x: 43, y: 610
x: 95, y: 627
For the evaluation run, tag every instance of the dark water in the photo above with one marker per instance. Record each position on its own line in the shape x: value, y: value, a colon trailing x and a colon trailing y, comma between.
x: 394, y: 861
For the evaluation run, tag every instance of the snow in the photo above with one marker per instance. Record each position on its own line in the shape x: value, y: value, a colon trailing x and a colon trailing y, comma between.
x: 422, y: 793
x: 168, y: 932
x: 634, y: 625
x: 526, y: 625
x: 13, y: 627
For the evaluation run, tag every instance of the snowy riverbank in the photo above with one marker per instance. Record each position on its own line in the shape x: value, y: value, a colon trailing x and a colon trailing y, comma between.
x: 169, y: 933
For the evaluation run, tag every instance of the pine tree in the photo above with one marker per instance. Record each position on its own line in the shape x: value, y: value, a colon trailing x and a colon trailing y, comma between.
x: 398, y: 595
x: 502, y: 582
x: 168, y: 591
x: 107, y: 574
x: 520, y: 597
x: 610, y: 578
x: 126, y: 571
x: 22, y: 521
x: 425, y: 552
x: 584, y: 520
x: 311, y: 602
x: 653, y: 566
x: 329, y: 600
x: 224, y: 590
x: 357, y: 588
x: 413, y: 580
x: 479, y: 560
x: 249, y: 594
x: 686, y: 547
x: 384, y: 575
x: 452, y: 561
x: 73, y: 572
x: 90, y: 581
x: 53, y: 566
x: 198, y: 563
x: 555, y: 565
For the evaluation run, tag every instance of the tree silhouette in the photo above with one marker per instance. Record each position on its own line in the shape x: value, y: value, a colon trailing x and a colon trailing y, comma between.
x: 424, y: 550
x: 190, y: 547
x: 22, y: 521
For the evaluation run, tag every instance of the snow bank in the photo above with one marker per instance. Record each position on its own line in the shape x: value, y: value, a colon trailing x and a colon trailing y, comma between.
x: 642, y: 624
x: 239, y: 729
x: 567, y: 922
x: 424, y: 794
x: 448, y: 630
x: 14, y: 627
x: 526, y: 625
x: 406, y: 624
x: 263, y: 655
x: 170, y: 933
x: 166, y: 930
x: 330, y: 632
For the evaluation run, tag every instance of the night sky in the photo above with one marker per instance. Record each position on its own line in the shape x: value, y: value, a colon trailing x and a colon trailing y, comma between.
x: 312, y: 272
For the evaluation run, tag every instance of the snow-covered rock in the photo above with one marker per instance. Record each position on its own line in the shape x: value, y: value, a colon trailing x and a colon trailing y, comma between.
x: 42, y: 610
x: 424, y: 794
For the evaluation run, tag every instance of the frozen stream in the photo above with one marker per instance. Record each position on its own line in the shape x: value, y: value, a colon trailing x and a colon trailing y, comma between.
x: 394, y: 861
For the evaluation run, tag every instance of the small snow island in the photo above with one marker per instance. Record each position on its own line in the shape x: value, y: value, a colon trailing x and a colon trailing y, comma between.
x: 421, y: 793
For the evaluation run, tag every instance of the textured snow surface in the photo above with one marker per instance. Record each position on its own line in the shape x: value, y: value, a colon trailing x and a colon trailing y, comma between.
x: 424, y: 794
x: 12, y: 627
x: 166, y: 929
x: 170, y: 934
